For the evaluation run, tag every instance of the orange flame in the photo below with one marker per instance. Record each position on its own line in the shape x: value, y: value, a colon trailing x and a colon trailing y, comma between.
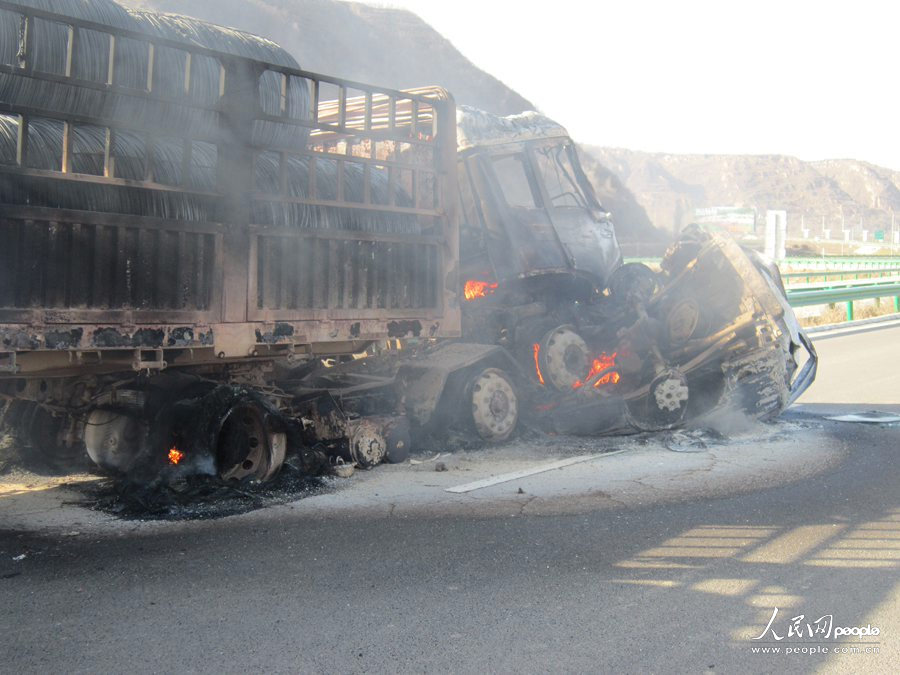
x: 537, y: 363
x: 175, y: 455
x: 601, y: 364
x: 478, y: 289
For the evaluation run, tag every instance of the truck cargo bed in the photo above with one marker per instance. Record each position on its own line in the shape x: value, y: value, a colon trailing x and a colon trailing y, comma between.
x: 249, y: 209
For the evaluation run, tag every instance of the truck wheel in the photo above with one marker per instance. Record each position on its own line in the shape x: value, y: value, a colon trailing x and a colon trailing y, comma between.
x: 368, y: 447
x: 563, y: 358
x: 45, y: 434
x: 665, y: 404
x: 633, y: 282
x: 248, y: 446
x: 495, y: 406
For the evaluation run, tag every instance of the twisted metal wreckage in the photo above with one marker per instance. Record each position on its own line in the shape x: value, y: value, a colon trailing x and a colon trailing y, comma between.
x: 211, y: 259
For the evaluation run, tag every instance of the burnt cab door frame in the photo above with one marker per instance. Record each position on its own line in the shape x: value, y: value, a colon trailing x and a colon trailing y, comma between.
x: 519, y: 235
x: 584, y: 228
x: 540, y: 213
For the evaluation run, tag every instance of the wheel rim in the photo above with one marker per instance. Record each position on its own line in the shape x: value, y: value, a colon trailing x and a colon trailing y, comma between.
x: 247, y: 447
x: 682, y: 322
x: 670, y: 393
x: 367, y: 445
x: 665, y: 404
x: 565, y: 358
x: 495, y: 407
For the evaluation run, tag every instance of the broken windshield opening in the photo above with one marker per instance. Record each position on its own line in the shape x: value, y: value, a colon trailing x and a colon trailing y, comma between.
x: 555, y: 167
x: 512, y: 175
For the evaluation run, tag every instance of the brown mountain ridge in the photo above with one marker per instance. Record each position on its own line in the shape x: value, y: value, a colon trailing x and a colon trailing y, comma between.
x: 670, y: 187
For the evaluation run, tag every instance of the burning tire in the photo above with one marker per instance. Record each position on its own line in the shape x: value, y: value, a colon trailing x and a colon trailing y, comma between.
x: 249, y: 446
x: 199, y: 430
x: 495, y: 405
x: 562, y: 358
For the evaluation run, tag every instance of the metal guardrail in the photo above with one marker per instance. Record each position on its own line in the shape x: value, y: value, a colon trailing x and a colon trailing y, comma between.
x: 855, y: 274
x: 826, y: 285
x: 828, y: 264
x: 826, y: 290
x: 806, y: 297
x: 834, y: 263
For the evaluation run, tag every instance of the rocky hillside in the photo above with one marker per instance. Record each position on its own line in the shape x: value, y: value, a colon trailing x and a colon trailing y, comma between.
x: 390, y: 47
x: 870, y: 186
x: 671, y: 187
x: 394, y: 48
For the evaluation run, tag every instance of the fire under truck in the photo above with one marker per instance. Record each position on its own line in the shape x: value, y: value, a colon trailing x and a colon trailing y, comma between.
x: 211, y: 259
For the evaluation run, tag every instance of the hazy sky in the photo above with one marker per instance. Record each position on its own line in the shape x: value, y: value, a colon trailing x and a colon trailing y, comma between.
x: 811, y: 79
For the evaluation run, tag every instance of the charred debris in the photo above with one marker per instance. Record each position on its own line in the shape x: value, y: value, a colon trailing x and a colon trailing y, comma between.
x: 218, y: 270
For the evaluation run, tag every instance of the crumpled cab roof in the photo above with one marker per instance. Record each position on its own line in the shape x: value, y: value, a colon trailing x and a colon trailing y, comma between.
x: 478, y: 128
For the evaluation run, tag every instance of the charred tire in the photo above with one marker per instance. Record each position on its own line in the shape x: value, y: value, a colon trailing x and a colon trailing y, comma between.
x: 368, y: 447
x: 633, y: 282
x: 563, y: 358
x: 683, y: 320
x: 495, y: 405
x: 397, y: 438
x: 249, y: 445
x: 42, y: 432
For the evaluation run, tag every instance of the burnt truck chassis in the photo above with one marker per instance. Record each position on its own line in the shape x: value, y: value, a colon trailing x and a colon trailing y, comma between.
x: 709, y: 334
x: 655, y: 351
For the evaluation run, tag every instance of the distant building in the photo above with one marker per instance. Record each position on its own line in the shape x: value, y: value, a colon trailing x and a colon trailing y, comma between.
x: 735, y: 219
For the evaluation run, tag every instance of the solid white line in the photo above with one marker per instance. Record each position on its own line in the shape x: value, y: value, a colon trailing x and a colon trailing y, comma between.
x: 506, y: 477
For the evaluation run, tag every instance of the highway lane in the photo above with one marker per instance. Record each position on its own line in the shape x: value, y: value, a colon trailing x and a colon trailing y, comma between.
x: 677, y: 584
x: 858, y: 366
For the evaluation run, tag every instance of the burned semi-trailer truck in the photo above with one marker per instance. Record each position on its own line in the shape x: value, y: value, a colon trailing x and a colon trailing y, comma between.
x: 210, y: 258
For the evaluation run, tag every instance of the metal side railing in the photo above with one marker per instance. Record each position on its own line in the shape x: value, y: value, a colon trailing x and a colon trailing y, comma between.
x: 845, y: 292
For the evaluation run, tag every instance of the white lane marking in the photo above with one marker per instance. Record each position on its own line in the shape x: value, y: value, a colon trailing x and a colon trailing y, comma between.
x: 871, y: 417
x: 506, y: 477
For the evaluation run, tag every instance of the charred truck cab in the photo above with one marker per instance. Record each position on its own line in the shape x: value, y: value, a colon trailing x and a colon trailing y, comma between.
x: 606, y: 346
x: 530, y: 219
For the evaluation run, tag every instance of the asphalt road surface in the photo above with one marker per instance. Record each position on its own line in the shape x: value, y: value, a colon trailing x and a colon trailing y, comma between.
x: 667, y: 575
x: 859, y: 366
